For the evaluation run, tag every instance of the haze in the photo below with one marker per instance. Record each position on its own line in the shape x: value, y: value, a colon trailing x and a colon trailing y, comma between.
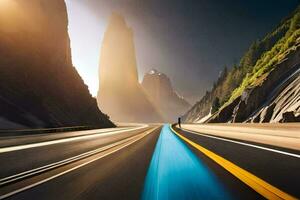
x: 197, y: 38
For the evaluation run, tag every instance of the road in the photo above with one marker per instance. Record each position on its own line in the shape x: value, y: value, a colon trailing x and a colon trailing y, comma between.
x: 275, y: 165
x: 69, y: 167
x: 286, y: 135
x: 146, y: 162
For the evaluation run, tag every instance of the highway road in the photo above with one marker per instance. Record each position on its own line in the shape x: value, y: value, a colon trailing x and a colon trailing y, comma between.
x: 70, y: 167
x: 286, y: 135
x: 145, y: 162
x: 275, y: 168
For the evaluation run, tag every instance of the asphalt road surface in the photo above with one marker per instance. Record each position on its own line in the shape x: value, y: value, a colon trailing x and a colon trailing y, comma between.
x: 276, y: 165
x: 145, y: 162
x: 95, y: 166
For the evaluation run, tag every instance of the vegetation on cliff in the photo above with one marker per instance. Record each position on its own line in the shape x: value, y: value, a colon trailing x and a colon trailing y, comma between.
x: 260, y: 59
x: 271, y: 58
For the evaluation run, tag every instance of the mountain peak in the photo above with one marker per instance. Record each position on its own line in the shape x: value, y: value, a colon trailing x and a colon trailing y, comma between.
x: 153, y: 71
x: 120, y: 94
x: 159, y: 89
x: 117, y: 19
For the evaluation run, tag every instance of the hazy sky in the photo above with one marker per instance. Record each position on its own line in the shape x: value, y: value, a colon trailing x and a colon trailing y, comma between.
x: 189, y: 40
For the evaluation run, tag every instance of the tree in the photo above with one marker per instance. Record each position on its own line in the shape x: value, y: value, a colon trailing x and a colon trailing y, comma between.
x: 225, y: 72
x: 215, y: 105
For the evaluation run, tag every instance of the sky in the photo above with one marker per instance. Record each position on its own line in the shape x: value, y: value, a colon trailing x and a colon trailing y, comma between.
x: 189, y: 40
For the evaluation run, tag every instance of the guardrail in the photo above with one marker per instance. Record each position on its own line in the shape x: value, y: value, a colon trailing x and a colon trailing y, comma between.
x: 44, y: 130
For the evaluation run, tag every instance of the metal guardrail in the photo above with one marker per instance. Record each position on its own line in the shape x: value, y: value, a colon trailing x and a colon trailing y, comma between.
x: 43, y: 130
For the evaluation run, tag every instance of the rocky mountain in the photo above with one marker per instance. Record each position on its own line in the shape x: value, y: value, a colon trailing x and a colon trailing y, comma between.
x: 120, y: 94
x: 264, y: 87
x: 39, y: 87
x: 283, y: 103
x: 160, y: 91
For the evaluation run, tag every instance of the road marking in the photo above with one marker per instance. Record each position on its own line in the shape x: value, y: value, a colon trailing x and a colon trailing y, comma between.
x: 246, y: 144
x: 175, y: 172
x: 259, y: 185
x: 48, y: 167
x: 77, y: 167
x: 58, y: 141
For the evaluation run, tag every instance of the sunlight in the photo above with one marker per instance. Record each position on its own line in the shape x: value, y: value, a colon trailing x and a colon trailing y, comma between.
x: 85, y: 50
x: 19, y: 15
x: 8, y: 11
x: 7, y: 4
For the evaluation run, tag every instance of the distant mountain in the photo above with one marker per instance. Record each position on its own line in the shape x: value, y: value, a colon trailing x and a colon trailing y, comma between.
x: 120, y: 94
x: 160, y: 91
x: 264, y: 87
x: 39, y: 87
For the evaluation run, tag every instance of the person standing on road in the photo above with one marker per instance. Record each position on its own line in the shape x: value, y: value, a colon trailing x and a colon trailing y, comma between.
x: 179, y: 122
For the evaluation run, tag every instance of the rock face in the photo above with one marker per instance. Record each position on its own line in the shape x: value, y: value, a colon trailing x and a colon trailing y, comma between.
x: 263, y: 87
x: 120, y: 94
x: 226, y: 114
x: 160, y: 91
x: 39, y: 87
x: 277, y: 99
x: 200, y: 110
x: 283, y: 103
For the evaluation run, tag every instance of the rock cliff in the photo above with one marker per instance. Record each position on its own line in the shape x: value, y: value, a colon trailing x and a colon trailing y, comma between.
x: 264, y: 87
x: 276, y: 99
x: 283, y: 102
x: 120, y: 94
x: 39, y: 87
x: 160, y: 91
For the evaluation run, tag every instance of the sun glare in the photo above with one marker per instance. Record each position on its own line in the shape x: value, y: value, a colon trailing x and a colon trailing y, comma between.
x: 7, y: 6
x: 6, y: 3
x: 11, y: 15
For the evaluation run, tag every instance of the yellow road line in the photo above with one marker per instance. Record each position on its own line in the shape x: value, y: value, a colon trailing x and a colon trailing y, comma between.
x: 259, y: 185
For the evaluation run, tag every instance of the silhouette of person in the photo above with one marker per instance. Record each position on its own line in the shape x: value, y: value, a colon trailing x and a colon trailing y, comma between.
x: 179, y: 122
